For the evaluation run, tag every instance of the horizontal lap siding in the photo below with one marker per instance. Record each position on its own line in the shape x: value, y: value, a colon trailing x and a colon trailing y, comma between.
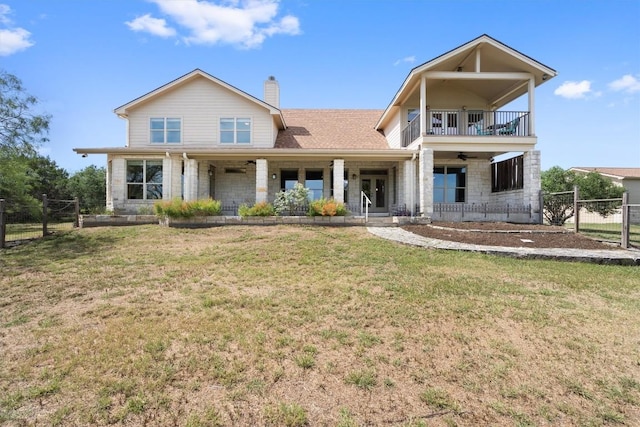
x: 200, y: 104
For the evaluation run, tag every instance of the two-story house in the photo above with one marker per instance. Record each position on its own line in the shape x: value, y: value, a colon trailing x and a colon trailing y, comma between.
x: 431, y: 152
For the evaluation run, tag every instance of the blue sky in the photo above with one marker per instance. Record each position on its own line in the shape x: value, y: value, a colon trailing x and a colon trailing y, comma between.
x: 83, y: 59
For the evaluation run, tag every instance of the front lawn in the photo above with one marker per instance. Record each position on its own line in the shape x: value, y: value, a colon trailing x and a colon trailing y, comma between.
x: 294, y: 325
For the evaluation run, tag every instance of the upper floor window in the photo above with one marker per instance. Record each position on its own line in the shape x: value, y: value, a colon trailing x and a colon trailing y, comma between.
x: 166, y: 130
x: 235, y: 130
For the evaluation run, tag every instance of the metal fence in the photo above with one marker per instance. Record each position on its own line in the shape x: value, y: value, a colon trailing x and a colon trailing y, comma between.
x: 24, y: 222
x: 611, y: 220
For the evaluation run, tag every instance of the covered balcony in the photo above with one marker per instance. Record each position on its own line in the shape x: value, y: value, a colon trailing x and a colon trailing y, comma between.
x: 468, y: 123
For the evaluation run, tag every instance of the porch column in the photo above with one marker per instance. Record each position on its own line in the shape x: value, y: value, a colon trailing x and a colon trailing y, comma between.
x: 262, y: 180
x: 532, y: 113
x: 531, y: 180
x: 109, y: 202
x: 409, y: 194
x: 425, y: 179
x: 338, y: 180
x: 167, y: 193
x: 190, y: 179
x: 423, y: 105
x: 118, y: 183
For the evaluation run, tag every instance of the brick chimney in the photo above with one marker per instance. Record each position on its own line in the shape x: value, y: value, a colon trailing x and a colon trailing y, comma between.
x: 272, y: 92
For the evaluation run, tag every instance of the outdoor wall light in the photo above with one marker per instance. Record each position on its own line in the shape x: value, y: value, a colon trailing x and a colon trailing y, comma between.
x: 354, y: 176
x: 274, y: 176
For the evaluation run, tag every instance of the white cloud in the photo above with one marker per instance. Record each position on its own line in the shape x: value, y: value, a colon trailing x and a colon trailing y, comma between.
x: 148, y: 24
x: 574, y: 90
x: 12, y: 40
x: 626, y: 83
x: 408, y: 59
x: 245, y: 23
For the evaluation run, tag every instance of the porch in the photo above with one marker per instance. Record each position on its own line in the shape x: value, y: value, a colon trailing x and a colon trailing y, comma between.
x: 468, y: 123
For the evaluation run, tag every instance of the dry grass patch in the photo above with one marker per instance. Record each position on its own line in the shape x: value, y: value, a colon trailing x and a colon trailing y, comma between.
x: 309, y: 326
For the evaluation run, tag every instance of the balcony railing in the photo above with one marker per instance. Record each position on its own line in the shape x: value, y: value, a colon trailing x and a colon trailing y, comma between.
x: 469, y: 123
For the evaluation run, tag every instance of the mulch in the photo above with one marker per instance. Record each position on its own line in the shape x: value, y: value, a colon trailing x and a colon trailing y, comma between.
x: 508, y: 234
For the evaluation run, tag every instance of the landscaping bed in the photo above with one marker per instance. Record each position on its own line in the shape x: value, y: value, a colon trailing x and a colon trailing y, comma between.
x: 508, y: 234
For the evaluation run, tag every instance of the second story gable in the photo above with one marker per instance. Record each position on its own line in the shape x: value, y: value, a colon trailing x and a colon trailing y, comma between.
x: 199, y: 111
x: 462, y: 93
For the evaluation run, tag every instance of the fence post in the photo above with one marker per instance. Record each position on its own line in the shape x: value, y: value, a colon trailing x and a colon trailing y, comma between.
x: 625, y: 220
x: 541, y: 204
x: 44, y: 215
x: 76, y: 222
x: 3, y: 224
x: 576, y: 209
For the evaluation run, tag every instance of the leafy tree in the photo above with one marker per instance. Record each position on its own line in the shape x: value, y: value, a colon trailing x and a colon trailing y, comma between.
x: 16, y: 183
x: 559, y: 208
x: 89, y: 186
x: 48, y: 178
x: 21, y: 128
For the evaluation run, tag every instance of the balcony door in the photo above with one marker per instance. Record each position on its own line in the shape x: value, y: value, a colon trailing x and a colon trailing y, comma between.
x: 444, y: 122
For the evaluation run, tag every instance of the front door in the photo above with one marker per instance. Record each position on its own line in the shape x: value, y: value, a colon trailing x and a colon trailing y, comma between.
x: 375, y: 188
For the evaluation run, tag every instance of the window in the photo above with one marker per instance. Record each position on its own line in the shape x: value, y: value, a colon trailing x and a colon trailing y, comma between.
x: 235, y: 130
x: 449, y: 184
x: 315, y: 183
x: 166, y: 130
x: 144, y: 179
x: 288, y: 179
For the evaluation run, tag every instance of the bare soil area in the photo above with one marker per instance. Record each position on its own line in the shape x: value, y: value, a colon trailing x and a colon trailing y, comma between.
x: 508, y: 234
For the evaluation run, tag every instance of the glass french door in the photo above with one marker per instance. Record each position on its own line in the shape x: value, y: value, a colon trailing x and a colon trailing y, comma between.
x: 375, y: 188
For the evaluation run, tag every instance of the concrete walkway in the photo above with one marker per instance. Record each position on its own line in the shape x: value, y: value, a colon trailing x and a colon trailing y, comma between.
x: 613, y: 256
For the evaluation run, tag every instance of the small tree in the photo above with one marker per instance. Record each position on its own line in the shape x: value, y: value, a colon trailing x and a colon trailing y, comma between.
x: 292, y: 200
x: 559, y: 208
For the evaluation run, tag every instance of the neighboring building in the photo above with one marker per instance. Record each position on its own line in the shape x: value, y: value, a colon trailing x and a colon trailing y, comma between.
x: 430, y: 151
x: 629, y: 178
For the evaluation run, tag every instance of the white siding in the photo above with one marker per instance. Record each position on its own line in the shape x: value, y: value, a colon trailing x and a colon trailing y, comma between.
x: 393, y: 132
x: 200, y: 104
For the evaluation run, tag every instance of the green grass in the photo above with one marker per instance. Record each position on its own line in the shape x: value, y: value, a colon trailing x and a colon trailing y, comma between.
x: 308, y: 326
x: 609, y: 232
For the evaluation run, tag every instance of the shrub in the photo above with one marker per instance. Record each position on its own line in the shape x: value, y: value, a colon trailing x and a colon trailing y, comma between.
x: 258, y: 209
x: 292, y: 200
x: 327, y: 207
x: 177, y: 208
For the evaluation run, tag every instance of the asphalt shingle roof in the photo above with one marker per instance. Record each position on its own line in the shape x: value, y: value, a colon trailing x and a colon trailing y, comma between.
x: 621, y: 172
x: 331, y: 129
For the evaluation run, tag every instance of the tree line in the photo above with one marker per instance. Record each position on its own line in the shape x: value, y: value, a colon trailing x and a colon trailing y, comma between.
x: 25, y: 175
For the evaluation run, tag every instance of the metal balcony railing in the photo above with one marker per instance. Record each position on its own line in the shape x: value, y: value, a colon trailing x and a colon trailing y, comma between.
x: 468, y: 123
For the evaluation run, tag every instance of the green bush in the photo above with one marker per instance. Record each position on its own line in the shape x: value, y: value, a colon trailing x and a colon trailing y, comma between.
x: 258, y: 209
x: 292, y: 200
x: 177, y: 208
x: 327, y: 207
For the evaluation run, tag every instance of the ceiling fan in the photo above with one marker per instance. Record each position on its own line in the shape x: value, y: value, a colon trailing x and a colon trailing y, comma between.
x: 250, y: 162
x: 464, y: 157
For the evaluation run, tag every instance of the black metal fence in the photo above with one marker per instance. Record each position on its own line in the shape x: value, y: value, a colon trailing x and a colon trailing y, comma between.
x: 20, y: 222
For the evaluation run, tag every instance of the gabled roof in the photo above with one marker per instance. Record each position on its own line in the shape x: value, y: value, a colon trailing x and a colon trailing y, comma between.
x: 497, y: 57
x: 331, y: 129
x: 617, y: 173
x: 123, y: 110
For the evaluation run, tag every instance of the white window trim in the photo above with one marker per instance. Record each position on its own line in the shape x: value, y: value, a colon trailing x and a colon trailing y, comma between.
x: 165, y: 118
x: 235, y: 130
